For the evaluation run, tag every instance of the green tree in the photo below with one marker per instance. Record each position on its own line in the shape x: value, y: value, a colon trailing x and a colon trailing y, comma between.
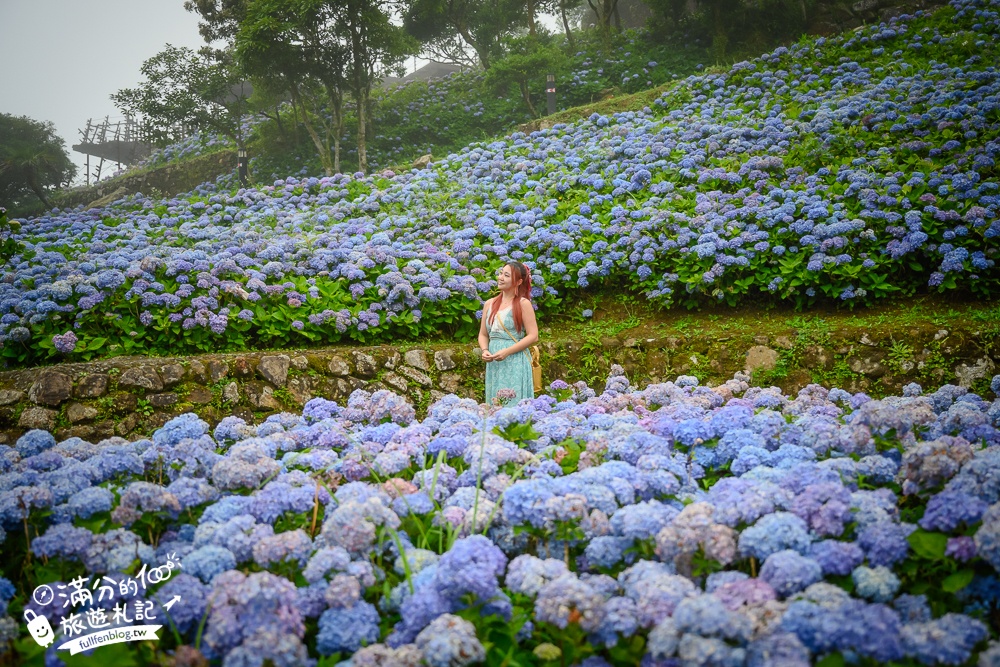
x: 320, y: 49
x: 183, y: 87
x: 734, y: 28
x: 220, y: 19
x: 297, y: 47
x: 564, y: 8
x: 33, y: 160
x: 378, y: 47
x: 604, y: 10
x: 481, y: 24
x: 668, y: 15
x: 9, y: 246
x: 527, y: 62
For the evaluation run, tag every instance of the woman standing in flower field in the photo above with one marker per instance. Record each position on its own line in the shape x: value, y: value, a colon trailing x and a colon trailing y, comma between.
x: 507, y: 330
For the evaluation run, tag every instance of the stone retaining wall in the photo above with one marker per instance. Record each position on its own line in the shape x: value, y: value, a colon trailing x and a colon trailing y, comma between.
x: 132, y: 396
x: 167, y: 181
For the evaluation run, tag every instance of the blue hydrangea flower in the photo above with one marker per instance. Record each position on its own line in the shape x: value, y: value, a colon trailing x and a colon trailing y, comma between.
x: 773, y: 533
x: 527, y: 574
x: 789, y: 572
x: 777, y: 649
x: 34, y: 442
x: 987, y: 538
x: 926, y: 641
x: 837, y: 558
x: 620, y: 621
x: 347, y: 629
x: 472, y: 565
x: 195, y: 600
x: 63, y: 540
x: 877, y: 584
x: 450, y: 641
x: 208, y: 561
x: 707, y: 616
x: 188, y: 425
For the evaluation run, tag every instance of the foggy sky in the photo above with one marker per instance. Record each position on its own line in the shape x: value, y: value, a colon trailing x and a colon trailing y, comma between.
x: 62, y: 59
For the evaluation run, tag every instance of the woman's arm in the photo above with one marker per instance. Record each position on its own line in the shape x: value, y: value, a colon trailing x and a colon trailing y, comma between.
x: 530, y: 333
x: 484, y: 334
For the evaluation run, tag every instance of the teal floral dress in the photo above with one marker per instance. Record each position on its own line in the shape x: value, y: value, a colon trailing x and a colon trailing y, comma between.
x: 514, y: 372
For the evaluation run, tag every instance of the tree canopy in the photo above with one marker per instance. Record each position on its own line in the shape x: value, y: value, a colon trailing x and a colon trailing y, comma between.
x: 320, y: 50
x: 199, y: 89
x: 481, y: 24
x: 302, y: 54
x: 33, y: 160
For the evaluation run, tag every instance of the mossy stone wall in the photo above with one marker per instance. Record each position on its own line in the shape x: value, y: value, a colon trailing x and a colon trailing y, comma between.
x: 167, y: 181
x: 133, y: 396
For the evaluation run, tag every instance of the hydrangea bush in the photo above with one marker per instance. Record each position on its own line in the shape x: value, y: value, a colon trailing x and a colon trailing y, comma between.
x: 846, y: 169
x: 193, y: 146
x: 678, y: 524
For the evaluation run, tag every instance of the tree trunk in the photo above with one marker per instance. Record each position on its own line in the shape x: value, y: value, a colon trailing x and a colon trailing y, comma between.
x: 295, y: 120
x: 565, y: 21
x: 38, y: 190
x: 603, y: 14
x: 241, y: 145
x: 526, y: 94
x: 323, y: 150
x: 281, y: 126
x: 593, y: 8
x: 677, y: 9
x: 719, y: 37
x: 362, y: 132
x: 482, y: 52
x: 530, y: 8
x: 338, y: 131
x: 370, y: 119
x: 359, y: 79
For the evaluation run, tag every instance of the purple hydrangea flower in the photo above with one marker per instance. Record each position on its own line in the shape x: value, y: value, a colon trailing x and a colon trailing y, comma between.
x: 65, y: 343
x: 885, y: 542
x: 244, y: 605
x: 569, y: 599
x: 472, y: 565
x: 947, y: 510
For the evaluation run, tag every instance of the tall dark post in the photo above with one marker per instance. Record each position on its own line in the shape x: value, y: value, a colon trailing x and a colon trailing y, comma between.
x: 241, y: 167
x: 550, y: 92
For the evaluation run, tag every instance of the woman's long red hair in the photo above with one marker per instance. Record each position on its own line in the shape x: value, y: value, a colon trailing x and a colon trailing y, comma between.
x: 518, y: 270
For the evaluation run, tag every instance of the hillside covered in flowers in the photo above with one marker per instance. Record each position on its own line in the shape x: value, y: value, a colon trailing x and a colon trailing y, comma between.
x: 846, y: 170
